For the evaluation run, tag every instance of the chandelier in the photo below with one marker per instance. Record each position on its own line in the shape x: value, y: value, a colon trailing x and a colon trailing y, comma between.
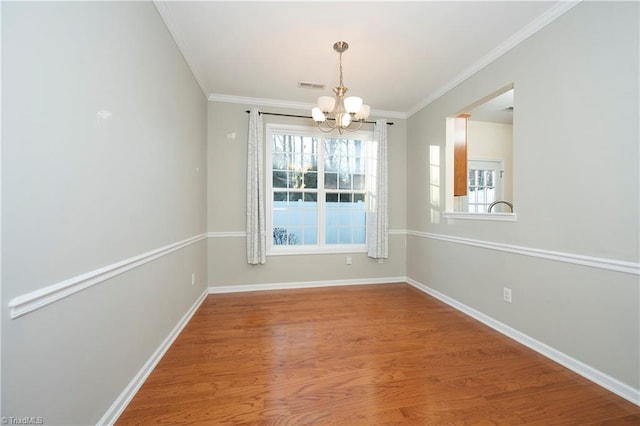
x: 346, y: 113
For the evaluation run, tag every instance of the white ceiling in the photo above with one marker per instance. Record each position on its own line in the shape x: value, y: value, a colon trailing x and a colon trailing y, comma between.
x: 402, y: 55
x: 498, y: 109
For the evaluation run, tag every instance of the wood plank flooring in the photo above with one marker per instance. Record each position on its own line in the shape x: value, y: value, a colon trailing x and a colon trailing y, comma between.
x: 359, y: 355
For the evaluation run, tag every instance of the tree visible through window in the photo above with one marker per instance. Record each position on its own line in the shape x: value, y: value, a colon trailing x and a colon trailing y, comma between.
x: 317, y: 189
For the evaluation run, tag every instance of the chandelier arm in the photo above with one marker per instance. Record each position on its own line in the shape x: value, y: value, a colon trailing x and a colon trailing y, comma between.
x: 344, y: 116
x: 354, y: 128
x: 325, y: 126
x: 323, y: 130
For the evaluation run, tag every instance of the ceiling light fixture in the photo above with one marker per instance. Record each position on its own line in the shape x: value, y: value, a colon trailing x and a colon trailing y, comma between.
x: 346, y: 113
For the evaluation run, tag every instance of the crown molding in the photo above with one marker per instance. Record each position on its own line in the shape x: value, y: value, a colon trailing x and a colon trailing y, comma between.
x: 542, y: 21
x: 245, y: 100
x: 533, y: 27
x: 214, y: 97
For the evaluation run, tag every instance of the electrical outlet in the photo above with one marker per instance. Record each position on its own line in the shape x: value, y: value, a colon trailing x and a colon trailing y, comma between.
x: 506, y: 294
x: 349, y: 260
x: 193, y: 278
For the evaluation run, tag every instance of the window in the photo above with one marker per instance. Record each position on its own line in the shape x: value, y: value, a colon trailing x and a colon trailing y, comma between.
x: 484, y: 184
x: 317, y: 190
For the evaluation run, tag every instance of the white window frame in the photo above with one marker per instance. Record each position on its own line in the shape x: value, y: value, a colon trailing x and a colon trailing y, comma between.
x: 320, y: 248
x: 497, y: 165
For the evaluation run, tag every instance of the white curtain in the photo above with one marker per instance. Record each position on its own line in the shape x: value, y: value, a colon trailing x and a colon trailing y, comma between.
x: 377, y: 217
x: 256, y: 236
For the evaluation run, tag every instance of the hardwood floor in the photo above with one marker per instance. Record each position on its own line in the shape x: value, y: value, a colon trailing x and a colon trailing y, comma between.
x: 359, y: 355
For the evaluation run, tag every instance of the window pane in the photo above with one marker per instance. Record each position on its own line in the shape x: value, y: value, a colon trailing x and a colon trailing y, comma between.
x: 331, y: 236
x: 311, y: 180
x: 345, y: 219
x: 279, y: 179
x: 331, y: 180
x: 295, y: 179
x: 280, y: 161
x: 359, y: 235
x: 295, y: 222
x: 310, y: 236
x: 331, y: 163
x: 358, y: 182
x: 295, y: 196
x: 345, y: 181
x: 346, y: 198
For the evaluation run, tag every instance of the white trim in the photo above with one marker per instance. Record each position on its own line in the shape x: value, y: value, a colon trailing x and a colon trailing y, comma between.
x: 245, y: 100
x: 295, y: 250
x: 496, y: 217
x: 42, y: 297
x: 241, y: 288
x: 614, y: 385
x: 138, y: 380
x: 577, y: 259
x: 215, y: 97
x: 542, y: 21
x: 231, y: 234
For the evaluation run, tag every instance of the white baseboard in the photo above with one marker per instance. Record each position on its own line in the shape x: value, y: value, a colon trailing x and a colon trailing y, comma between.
x: 303, y: 284
x: 614, y: 385
x: 623, y: 390
x: 598, y: 377
x: 118, y: 406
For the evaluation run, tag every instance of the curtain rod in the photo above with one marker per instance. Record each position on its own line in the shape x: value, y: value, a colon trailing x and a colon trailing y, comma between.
x: 306, y: 116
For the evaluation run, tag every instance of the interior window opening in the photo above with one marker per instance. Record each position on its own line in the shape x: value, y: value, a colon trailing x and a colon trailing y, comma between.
x: 480, y: 156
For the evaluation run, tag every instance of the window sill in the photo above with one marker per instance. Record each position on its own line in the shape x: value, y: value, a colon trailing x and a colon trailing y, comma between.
x: 302, y: 250
x: 497, y: 217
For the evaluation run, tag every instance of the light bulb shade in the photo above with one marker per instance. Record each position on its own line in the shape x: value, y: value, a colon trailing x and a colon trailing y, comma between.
x: 326, y: 103
x: 317, y: 115
x: 352, y: 104
x: 363, y: 113
x: 345, y: 120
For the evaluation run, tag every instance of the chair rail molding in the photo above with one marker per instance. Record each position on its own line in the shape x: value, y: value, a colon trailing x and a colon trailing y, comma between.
x: 42, y: 297
x: 577, y: 259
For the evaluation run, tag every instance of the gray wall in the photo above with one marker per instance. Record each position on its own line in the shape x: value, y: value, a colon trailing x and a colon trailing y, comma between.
x: 227, y: 261
x: 576, y: 188
x: 109, y: 152
x: 103, y: 159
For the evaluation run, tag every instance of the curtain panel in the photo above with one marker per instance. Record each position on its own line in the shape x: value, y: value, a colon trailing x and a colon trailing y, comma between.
x: 377, y: 217
x: 256, y: 235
